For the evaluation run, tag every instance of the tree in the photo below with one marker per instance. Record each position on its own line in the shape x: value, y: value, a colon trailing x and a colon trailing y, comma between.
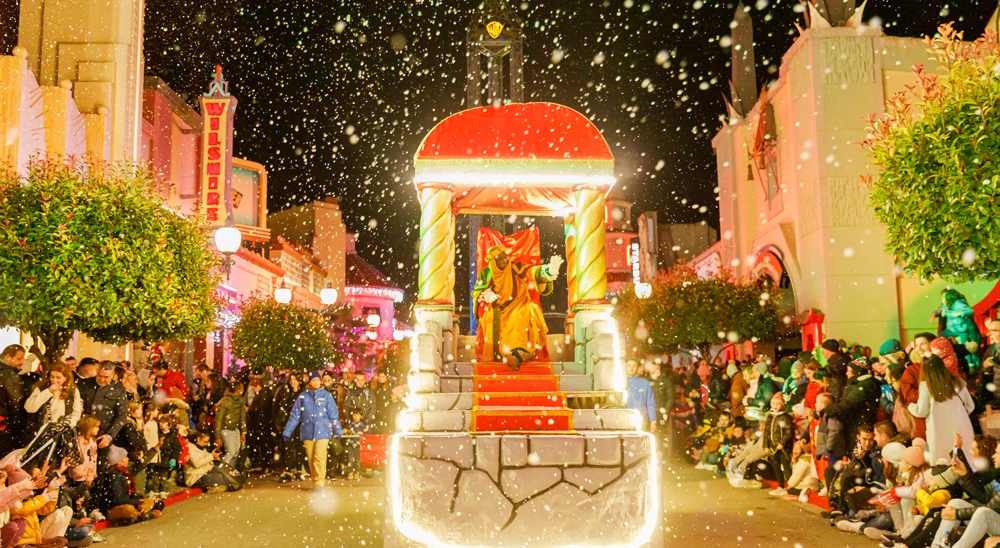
x: 94, y: 248
x: 283, y: 336
x: 938, y: 157
x: 685, y: 312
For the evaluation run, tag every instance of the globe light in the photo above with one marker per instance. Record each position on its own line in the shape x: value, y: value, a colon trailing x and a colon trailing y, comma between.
x: 374, y: 320
x: 372, y: 335
x: 643, y: 290
x: 397, y: 335
x: 228, y: 239
x: 283, y: 294
x: 328, y: 295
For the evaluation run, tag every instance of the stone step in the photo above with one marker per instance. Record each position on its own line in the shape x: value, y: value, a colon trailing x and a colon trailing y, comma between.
x: 461, y: 420
x: 521, y: 420
x: 443, y: 401
x: 522, y: 400
x: 516, y: 383
x: 470, y: 368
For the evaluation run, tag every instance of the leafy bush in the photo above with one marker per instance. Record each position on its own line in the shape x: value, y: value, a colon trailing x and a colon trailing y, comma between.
x: 283, y: 336
x: 94, y: 248
x: 685, y: 312
x: 937, y: 150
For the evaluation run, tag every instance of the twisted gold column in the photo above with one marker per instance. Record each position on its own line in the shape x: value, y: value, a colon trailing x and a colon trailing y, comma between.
x: 437, y: 245
x: 570, y: 231
x: 591, y: 258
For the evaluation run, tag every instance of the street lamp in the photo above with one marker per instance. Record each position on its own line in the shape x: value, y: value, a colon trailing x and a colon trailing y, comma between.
x: 643, y: 290
x: 283, y: 294
x: 228, y: 240
x: 328, y: 295
x: 374, y: 320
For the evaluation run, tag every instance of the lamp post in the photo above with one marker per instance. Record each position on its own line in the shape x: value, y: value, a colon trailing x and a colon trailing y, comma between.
x: 228, y: 240
x: 328, y: 295
x: 283, y: 294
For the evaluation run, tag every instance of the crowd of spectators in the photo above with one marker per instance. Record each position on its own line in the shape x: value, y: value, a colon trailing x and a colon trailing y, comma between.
x: 102, y: 441
x: 899, y: 446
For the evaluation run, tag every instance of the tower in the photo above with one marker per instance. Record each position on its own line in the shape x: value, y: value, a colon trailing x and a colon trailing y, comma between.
x: 495, y: 33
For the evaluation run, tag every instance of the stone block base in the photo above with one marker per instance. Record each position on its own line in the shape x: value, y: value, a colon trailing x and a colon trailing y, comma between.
x: 537, y: 490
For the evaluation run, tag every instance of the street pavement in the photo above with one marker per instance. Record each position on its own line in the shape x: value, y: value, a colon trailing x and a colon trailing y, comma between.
x: 701, y: 510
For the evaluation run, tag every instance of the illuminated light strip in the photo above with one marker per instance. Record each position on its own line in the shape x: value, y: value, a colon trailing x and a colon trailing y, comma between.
x: 475, y: 178
x: 378, y: 292
x: 415, y: 533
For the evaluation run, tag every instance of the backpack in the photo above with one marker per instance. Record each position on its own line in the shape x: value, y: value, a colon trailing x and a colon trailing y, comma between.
x: 185, y: 455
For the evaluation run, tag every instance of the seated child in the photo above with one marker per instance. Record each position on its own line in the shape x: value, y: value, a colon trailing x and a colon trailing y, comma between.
x: 712, y: 441
x: 802, y: 482
x: 115, y: 494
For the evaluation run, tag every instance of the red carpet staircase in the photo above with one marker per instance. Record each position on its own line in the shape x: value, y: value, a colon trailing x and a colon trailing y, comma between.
x: 527, y: 400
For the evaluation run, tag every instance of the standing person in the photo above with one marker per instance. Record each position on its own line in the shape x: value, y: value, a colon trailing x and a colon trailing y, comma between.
x: 356, y: 426
x: 167, y: 381
x: 909, y: 383
x: 281, y: 411
x: 87, y: 369
x: 315, y: 415
x: 231, y: 423
x: 665, y: 395
x: 945, y: 403
x: 55, y: 404
x: 836, y: 364
x: 382, y: 392
x: 360, y: 397
x: 859, y: 404
x: 779, y: 436
x: 640, y: 396
x: 70, y: 363
x: 738, y: 390
x: 260, y: 432
x: 12, y: 398
x: 105, y: 399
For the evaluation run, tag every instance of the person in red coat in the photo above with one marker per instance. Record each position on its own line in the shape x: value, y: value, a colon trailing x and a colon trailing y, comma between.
x: 909, y: 383
x: 167, y: 380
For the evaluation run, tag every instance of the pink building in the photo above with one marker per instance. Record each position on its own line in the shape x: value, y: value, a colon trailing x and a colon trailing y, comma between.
x: 372, y: 294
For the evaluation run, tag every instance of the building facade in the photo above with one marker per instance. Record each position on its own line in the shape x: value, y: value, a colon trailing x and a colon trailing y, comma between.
x: 793, y: 209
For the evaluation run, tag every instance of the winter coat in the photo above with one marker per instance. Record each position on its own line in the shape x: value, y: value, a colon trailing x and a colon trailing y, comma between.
x: 362, y: 399
x: 779, y: 432
x: 802, y: 474
x: 108, y: 404
x: 48, y: 409
x: 42, y: 505
x: 717, y: 389
x: 640, y: 398
x: 87, y: 470
x: 200, y: 463
x: 737, y: 391
x: 355, y: 428
x: 281, y: 407
x: 259, y: 414
x: 830, y: 438
x: 665, y: 394
x: 382, y: 394
x: 12, y: 397
x: 315, y: 414
x: 909, y: 388
x: 169, y: 451
x: 173, y: 379
x: 766, y: 389
x: 837, y: 365
x: 232, y: 415
x: 813, y: 389
x: 944, y: 420
x: 859, y: 404
x: 978, y: 485
x: 112, y: 490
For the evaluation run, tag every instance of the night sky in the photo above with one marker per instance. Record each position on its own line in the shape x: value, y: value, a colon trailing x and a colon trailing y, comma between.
x: 336, y: 96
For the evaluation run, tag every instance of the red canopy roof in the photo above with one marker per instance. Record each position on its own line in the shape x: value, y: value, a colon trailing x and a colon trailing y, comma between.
x: 544, y: 131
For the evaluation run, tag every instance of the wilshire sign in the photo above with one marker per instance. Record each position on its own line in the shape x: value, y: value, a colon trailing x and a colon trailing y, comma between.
x: 217, y: 110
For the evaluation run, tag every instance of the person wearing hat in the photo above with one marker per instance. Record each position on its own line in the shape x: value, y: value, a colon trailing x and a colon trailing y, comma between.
x: 859, y: 404
x: 836, y: 365
x: 315, y: 415
x: 511, y: 325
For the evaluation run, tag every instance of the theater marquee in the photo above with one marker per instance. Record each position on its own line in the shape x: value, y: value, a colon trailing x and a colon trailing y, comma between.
x: 217, y: 110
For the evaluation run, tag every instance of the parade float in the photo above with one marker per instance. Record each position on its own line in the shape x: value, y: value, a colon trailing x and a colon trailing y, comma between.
x: 512, y: 436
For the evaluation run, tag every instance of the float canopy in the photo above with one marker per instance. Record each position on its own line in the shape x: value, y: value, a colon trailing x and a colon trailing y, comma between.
x: 516, y: 158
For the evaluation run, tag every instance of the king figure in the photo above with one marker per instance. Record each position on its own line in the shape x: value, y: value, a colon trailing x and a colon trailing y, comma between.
x: 512, y: 323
